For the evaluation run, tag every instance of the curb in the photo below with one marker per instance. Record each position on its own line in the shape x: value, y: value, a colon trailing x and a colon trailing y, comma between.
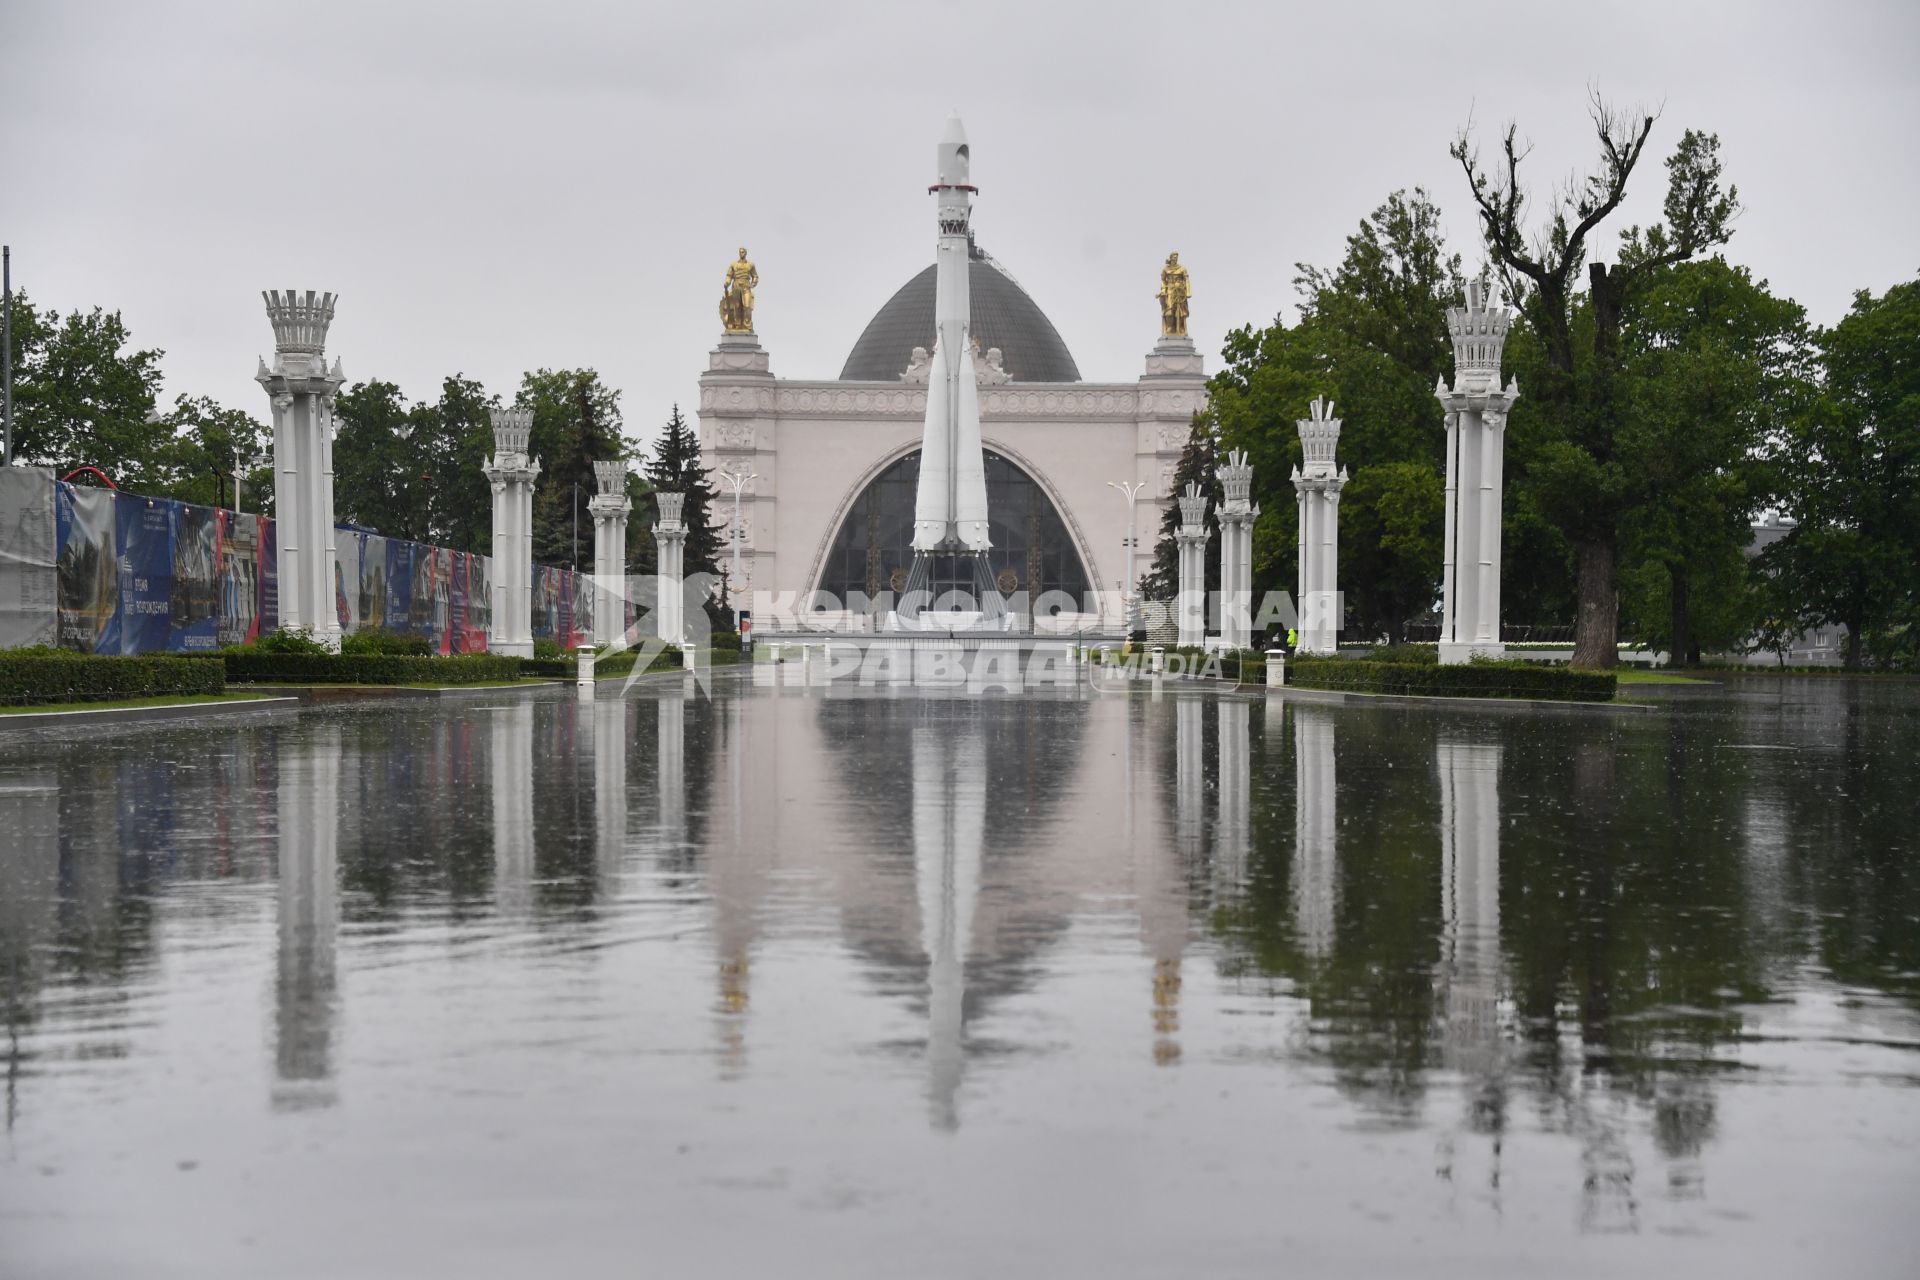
x: 131, y: 715
x: 1335, y: 697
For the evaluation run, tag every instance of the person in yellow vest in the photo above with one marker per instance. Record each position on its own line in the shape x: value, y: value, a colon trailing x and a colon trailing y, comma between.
x: 1293, y: 640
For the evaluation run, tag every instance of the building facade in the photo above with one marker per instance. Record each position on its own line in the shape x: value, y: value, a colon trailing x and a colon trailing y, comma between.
x: 835, y: 460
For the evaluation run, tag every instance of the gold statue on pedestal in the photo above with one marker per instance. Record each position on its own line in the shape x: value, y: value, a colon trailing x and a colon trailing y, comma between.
x: 1175, y: 291
x: 736, y: 295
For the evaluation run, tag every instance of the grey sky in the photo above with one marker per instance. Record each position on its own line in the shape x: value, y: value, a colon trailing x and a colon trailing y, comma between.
x: 496, y: 187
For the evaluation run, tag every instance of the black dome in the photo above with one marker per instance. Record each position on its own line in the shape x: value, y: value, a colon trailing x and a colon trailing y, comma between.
x: 1002, y: 316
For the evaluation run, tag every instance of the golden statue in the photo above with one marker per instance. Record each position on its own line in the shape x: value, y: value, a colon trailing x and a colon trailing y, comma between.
x: 1175, y: 290
x: 736, y: 295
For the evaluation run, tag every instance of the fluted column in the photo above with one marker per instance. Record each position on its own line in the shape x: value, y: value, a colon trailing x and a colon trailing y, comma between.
x: 1476, y: 409
x: 301, y: 389
x: 1190, y: 595
x: 610, y: 508
x: 1317, y: 483
x: 512, y: 473
x: 1237, y: 514
x: 670, y: 537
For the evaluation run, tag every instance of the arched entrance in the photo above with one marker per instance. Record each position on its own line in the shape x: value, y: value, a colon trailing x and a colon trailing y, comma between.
x: 1032, y: 550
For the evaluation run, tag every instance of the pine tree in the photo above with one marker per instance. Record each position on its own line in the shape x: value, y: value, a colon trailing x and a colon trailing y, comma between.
x: 1197, y: 465
x: 675, y: 468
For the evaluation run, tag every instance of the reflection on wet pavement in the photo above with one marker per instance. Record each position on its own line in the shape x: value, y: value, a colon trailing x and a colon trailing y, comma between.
x: 898, y: 984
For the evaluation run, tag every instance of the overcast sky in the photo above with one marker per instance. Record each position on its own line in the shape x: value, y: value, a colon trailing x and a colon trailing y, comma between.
x: 493, y: 188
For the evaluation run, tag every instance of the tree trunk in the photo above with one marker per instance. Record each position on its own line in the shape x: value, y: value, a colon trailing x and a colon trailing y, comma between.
x: 1595, y: 626
x: 1680, y: 642
x: 1856, y: 624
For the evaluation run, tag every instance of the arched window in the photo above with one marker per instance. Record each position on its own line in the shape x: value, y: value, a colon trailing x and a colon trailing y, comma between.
x: 1032, y: 551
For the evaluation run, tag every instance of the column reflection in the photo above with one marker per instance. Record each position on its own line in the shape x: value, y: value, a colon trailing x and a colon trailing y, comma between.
x: 949, y: 825
x: 512, y: 764
x: 1316, y: 864
x: 305, y: 987
x: 1232, y: 834
x: 29, y: 898
x: 1470, y: 975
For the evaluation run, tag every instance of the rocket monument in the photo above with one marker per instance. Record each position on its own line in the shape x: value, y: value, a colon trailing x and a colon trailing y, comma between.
x: 950, y: 508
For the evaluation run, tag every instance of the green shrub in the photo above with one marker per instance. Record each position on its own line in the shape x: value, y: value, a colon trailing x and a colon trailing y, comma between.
x: 245, y: 666
x: 289, y: 640
x: 1480, y: 679
x: 547, y: 650
x: 374, y: 640
x: 59, y: 676
x: 1419, y: 655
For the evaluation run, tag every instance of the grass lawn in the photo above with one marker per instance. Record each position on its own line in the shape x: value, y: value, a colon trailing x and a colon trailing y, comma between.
x: 1633, y: 675
x: 165, y: 700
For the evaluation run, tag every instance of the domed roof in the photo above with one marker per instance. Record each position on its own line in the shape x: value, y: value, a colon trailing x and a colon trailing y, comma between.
x: 1002, y: 315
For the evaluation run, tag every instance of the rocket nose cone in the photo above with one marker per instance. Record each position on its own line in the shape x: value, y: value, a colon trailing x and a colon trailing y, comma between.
x: 955, y: 133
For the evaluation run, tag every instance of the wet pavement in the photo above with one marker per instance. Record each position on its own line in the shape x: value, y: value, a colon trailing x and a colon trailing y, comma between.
x: 892, y: 984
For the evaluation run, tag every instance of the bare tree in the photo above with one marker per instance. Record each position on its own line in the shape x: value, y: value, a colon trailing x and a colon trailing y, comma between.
x: 1587, y: 488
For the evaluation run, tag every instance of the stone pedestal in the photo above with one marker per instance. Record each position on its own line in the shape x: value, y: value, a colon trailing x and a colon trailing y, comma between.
x: 610, y: 508
x: 1175, y: 357
x: 1237, y: 514
x: 1318, y: 484
x: 512, y: 473
x: 1476, y: 434
x: 670, y: 537
x: 1190, y: 596
x: 302, y: 390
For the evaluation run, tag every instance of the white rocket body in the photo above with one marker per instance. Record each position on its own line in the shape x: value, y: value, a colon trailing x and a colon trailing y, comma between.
x: 950, y: 507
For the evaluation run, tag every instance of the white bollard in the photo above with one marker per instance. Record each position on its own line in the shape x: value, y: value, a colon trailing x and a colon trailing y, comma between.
x: 1276, y: 668
x: 1157, y: 659
x: 583, y: 670
x: 687, y: 657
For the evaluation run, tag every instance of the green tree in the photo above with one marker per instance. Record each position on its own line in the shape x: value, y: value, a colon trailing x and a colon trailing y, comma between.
x: 1712, y: 362
x: 209, y: 444
x: 576, y: 422
x: 381, y: 479
x: 675, y: 468
x: 1851, y: 473
x: 1198, y: 465
x: 1581, y: 481
x: 460, y: 505
x: 1372, y: 337
x: 82, y: 396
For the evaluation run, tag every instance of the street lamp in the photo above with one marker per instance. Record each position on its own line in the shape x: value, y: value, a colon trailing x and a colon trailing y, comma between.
x: 1130, y: 490
x: 737, y: 482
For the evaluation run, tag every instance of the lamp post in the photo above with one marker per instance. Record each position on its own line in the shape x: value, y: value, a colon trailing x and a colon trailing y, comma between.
x: 737, y: 482
x: 1129, y: 489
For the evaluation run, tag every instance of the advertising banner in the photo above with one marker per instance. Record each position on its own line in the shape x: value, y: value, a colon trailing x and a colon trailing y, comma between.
x: 144, y: 528
x: 346, y: 577
x: 87, y: 574
x: 373, y: 581
x: 195, y: 594
x: 28, y: 543
x: 241, y: 585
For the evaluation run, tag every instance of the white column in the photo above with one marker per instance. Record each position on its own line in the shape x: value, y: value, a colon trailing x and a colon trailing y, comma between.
x: 512, y: 474
x: 670, y: 537
x: 1477, y: 410
x: 1190, y: 595
x: 1318, y: 482
x: 301, y: 389
x: 1237, y: 514
x: 610, y: 508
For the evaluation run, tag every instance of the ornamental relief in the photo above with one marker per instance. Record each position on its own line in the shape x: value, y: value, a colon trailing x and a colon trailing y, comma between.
x: 732, y: 435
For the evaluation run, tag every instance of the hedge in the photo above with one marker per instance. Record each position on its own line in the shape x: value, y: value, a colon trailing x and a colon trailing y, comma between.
x: 80, y: 677
x: 1514, y: 679
x: 245, y: 666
